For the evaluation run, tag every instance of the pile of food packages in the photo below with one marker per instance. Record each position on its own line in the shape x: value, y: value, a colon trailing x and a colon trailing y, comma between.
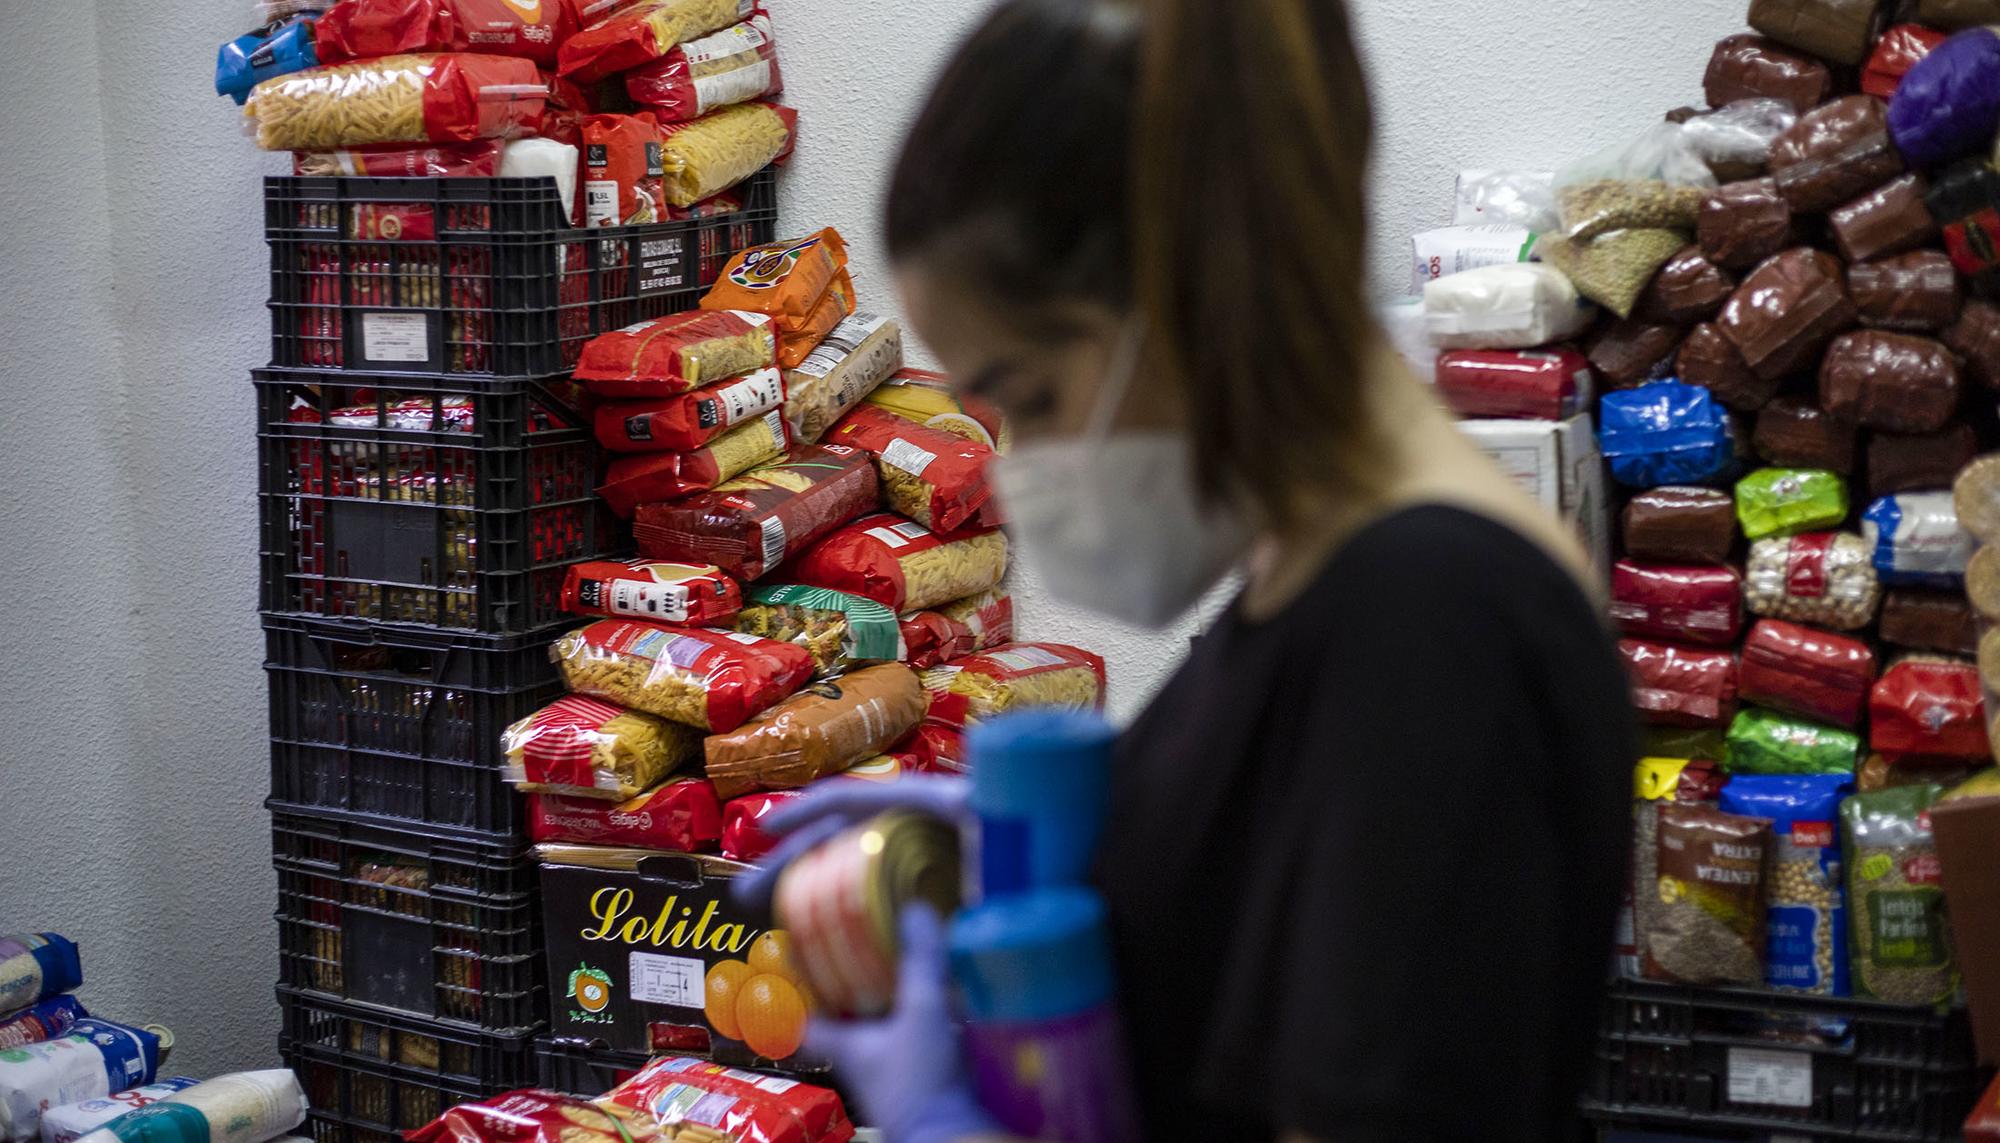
x: 66, y: 1075
x: 1779, y: 306
x: 655, y: 108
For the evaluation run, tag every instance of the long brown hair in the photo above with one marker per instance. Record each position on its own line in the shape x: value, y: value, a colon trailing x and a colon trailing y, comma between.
x: 1200, y: 163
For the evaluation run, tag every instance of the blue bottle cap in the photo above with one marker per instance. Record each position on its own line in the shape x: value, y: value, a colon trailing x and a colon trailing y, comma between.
x: 1037, y: 956
x: 1041, y: 789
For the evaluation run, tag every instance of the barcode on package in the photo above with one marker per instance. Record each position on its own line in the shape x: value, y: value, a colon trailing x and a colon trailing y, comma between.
x: 908, y: 457
x: 845, y: 339
x: 774, y: 542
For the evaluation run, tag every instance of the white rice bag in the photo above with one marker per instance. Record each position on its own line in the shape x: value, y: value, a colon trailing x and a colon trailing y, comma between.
x: 243, y: 1107
x: 67, y: 1123
x: 1455, y: 249
x: 1517, y: 306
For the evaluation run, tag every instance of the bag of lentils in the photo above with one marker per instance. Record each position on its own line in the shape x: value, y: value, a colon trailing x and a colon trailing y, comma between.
x: 1705, y: 924
x: 1899, y: 940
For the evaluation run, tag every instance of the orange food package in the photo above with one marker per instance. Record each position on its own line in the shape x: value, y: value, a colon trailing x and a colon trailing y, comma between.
x: 631, y: 34
x: 653, y: 477
x: 677, y: 354
x: 690, y: 420
x: 360, y: 29
x: 934, y: 477
x: 798, y: 339
x: 621, y: 170
x: 783, y: 279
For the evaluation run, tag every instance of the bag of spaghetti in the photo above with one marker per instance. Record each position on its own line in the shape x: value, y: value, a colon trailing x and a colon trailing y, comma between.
x: 957, y: 629
x: 652, y: 477
x: 928, y: 399
x: 842, y: 370
x: 583, y: 747
x: 788, y: 281
x: 706, y: 156
x: 452, y: 97
x: 621, y: 36
x: 687, y: 595
x: 710, y: 680
x: 903, y: 565
x: 362, y: 29
x: 1018, y: 676
x: 738, y: 63
x: 668, y: 356
x: 841, y: 631
x: 932, y: 476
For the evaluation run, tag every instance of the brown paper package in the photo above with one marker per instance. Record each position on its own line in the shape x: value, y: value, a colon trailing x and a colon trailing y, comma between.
x: 1752, y: 67
x: 1744, y: 223
x: 1919, y: 462
x: 1827, y: 130
x: 1838, y: 31
x: 1679, y: 524
x: 1710, y: 360
x: 1785, y: 312
x: 1975, y: 337
x: 1890, y: 381
x: 1688, y: 289
x: 1888, y: 220
x: 1817, y: 185
x: 1909, y: 293
x: 1793, y: 432
x: 1628, y: 352
x: 1941, y: 621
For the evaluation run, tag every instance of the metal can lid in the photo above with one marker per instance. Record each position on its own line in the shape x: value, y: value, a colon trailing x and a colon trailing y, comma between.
x: 911, y: 858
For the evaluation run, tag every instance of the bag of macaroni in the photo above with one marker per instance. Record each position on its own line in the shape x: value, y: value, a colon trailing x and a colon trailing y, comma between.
x: 688, y: 420
x: 934, y: 477
x: 651, y: 477
x: 1015, y: 677
x: 677, y: 1090
x: 711, y: 680
x: 750, y: 525
x: 903, y: 565
x: 957, y: 629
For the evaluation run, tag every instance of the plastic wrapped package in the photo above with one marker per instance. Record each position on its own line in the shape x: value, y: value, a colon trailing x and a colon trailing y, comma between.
x: 750, y: 525
x: 1794, y: 432
x: 786, y: 280
x: 361, y: 29
x: 1655, y: 182
x: 928, y: 398
x: 1752, y: 67
x: 444, y: 98
x: 1806, y: 914
x: 544, y: 158
x: 840, y: 630
x: 1917, y: 540
x: 681, y: 594
x: 1614, y: 268
x: 1452, y: 250
x: 1890, y: 219
x: 1829, y: 129
x: 581, y: 747
x: 1507, y: 198
x: 1929, y: 706
x: 742, y: 1105
x: 743, y: 834
x: 1965, y: 203
x: 799, y: 340
x: 1899, y: 940
x: 1504, y: 307
x: 677, y: 354
x: 711, y: 680
x: 1656, y: 779
x: 646, y: 478
x: 1916, y: 463
x: 36, y: 966
x: 1741, y: 224
x: 1629, y: 352
x: 1807, y: 672
x: 683, y: 816
x: 733, y: 65
x: 478, y: 159
x: 42, y: 1020
x: 1685, y: 603
x: 1664, y: 433
x: 903, y: 565
x: 1768, y: 742
x: 241, y: 1107
x: 1948, y: 105
x: 1786, y: 311
x: 1951, y: 15
x: 822, y: 730
x: 73, y: 1121
x: 1709, y: 359
x: 622, y: 174
x: 1899, y: 49
x: 562, y: 117
x: 853, y: 361
x: 690, y: 420
x: 957, y: 629
x: 1909, y: 293
x: 1680, y: 742
x: 1824, y: 578
x: 1890, y: 381
x: 704, y: 157
x: 1680, y: 686
x: 1788, y: 501
x: 1735, y: 141
x: 1707, y: 926
x: 1820, y: 184
x: 1018, y: 676
x: 1837, y: 31
x: 250, y: 59
x: 1680, y: 524
x: 1976, y: 498
x: 1542, y: 384
x: 628, y: 36
x: 1689, y: 288
x: 934, y: 477
x: 96, y: 1058
x: 1941, y: 621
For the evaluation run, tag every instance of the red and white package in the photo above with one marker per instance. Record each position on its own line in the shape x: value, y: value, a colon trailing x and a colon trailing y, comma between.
x: 517, y: 1117
x: 479, y: 158
x: 1019, y: 676
x: 621, y: 36
x: 677, y: 354
x: 939, y: 749
x: 681, y: 594
x: 1680, y: 686
x: 684, y: 816
x: 743, y: 837
x: 750, y: 525
x: 414, y: 414
x: 1899, y: 49
x: 621, y: 170
x: 964, y: 627
x: 362, y: 29
x: 1673, y: 602
x: 653, y: 477
x: 736, y: 64
x: 1541, y: 384
x: 743, y: 1105
x: 448, y: 97
x: 1808, y: 672
x: 713, y: 680
x: 1928, y: 705
x: 689, y: 420
x: 934, y: 477
x: 903, y: 565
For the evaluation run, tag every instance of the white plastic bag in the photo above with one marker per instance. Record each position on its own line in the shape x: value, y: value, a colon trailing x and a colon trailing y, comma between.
x: 1455, y: 249
x: 543, y: 158
x: 1656, y: 181
x: 242, y: 1107
x: 1516, y: 306
x: 1739, y: 133
x: 1507, y: 198
x: 1402, y: 321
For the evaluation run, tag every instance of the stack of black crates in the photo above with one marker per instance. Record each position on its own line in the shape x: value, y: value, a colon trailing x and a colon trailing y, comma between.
x: 427, y: 476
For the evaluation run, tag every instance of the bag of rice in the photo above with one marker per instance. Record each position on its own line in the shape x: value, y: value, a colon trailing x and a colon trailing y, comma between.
x: 749, y: 525
x: 690, y: 420
x: 932, y: 476
x: 1899, y: 937
x: 852, y: 361
x: 902, y: 565
x: 957, y: 629
x: 648, y: 478
x: 677, y: 354
x: 683, y: 816
x: 97, y: 1058
x: 72, y: 1121
x: 243, y: 1107
x: 36, y: 966
x: 1018, y: 676
x: 712, y: 680
x: 583, y: 748
x: 840, y: 630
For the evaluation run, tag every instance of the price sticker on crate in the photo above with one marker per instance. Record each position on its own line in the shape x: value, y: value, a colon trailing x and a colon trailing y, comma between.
x: 1773, y: 1079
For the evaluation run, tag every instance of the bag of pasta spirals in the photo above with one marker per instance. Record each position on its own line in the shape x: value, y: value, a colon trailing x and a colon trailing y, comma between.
x: 903, y: 565
x: 1014, y: 677
x: 934, y: 477
x: 713, y: 680
x: 706, y: 156
x: 451, y: 97
x: 585, y: 748
x: 677, y: 354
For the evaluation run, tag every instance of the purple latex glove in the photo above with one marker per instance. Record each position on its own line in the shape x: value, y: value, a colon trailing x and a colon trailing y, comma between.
x: 907, y: 1070
x: 833, y: 806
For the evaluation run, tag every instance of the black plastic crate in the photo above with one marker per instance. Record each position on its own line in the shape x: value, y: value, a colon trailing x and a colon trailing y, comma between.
x: 1671, y: 1056
x: 422, y: 501
x: 474, y: 275
x: 369, y: 1075
x: 384, y: 727
x: 446, y: 931
x: 579, y: 1068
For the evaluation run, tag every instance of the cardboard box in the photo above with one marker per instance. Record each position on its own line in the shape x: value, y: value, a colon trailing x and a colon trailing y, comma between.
x: 1968, y: 842
x: 648, y: 953
x: 1558, y: 464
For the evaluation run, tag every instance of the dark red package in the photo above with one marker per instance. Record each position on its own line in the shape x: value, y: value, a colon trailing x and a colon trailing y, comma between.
x: 1540, y: 384
x: 1752, y: 67
x: 1680, y: 686
x: 1688, y: 289
x: 1896, y: 53
x: 955, y: 630
x: 1827, y: 130
x: 656, y: 477
x: 1890, y: 219
x: 479, y: 158
x: 1910, y: 293
x: 743, y: 839
x: 1918, y: 463
x: 1709, y: 359
x: 689, y: 420
x: 939, y: 749
x: 1808, y: 672
x: 936, y: 478
x: 1920, y: 620
x: 903, y: 565
x: 684, y: 816
x: 1890, y: 381
x: 364, y: 29
x: 741, y: 1105
x: 736, y: 64
x: 1975, y: 338
x: 1681, y: 525
x: 1628, y: 352
x: 516, y: 1117
x: 750, y: 525
x: 687, y: 595
x: 1742, y: 224
x: 1786, y: 311
x: 1677, y: 602
x: 1822, y: 183
x: 621, y: 170
x: 1794, y: 432
x: 563, y: 115
x: 1928, y: 706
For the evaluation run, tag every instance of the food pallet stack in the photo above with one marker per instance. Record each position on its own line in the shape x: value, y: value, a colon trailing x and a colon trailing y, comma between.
x: 1785, y: 297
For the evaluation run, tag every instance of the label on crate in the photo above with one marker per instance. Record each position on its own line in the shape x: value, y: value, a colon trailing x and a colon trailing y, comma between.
x: 395, y: 337
x: 662, y: 265
x: 673, y: 980
x: 1772, y: 1079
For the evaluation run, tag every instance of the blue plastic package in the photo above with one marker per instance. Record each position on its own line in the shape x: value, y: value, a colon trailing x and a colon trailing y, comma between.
x: 1806, y: 949
x: 1915, y: 540
x: 42, y: 1020
x: 1948, y: 106
x: 1665, y: 433
x: 36, y: 966
x: 247, y: 61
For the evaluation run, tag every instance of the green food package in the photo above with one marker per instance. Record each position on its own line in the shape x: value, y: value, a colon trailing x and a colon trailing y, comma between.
x: 1898, y: 937
x: 1766, y: 742
x: 1682, y: 742
x: 1788, y: 501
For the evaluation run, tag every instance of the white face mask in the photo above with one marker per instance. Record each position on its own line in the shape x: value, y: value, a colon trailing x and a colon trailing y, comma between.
x: 1111, y: 521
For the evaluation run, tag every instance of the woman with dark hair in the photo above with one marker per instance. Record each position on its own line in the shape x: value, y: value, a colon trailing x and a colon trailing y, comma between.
x: 1368, y: 842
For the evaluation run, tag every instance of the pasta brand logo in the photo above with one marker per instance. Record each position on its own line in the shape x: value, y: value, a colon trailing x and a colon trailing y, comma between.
x: 591, y: 988
x: 764, y: 269
x: 530, y: 11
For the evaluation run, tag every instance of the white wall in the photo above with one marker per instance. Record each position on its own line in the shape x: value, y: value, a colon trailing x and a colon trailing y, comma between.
x: 131, y: 702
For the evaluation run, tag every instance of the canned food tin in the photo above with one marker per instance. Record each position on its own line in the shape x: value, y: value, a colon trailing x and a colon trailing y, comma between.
x: 841, y: 902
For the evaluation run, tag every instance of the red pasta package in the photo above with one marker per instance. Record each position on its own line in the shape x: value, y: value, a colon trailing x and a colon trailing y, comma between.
x: 1928, y: 705
x: 733, y: 65
x: 743, y: 837
x: 676, y: 1090
x: 562, y: 116
x: 1674, y: 602
x: 683, y: 816
x: 903, y: 565
x: 360, y: 29
x: 1018, y: 676
x: 648, y: 478
x: 963, y: 627
x: 929, y: 398
x: 621, y: 170
x: 680, y: 594
x: 1680, y: 686
x: 449, y: 97
x: 520, y: 1117
x: 479, y: 158
x: 713, y: 680
x: 1544, y: 384
x: 934, y: 477
x: 690, y: 420
x: 1808, y: 672
x: 1899, y: 49
x: 750, y: 525
x: 939, y: 749
x: 677, y: 354
x: 620, y: 37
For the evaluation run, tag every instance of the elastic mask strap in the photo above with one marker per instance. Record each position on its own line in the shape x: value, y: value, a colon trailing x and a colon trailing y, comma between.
x: 1118, y: 382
